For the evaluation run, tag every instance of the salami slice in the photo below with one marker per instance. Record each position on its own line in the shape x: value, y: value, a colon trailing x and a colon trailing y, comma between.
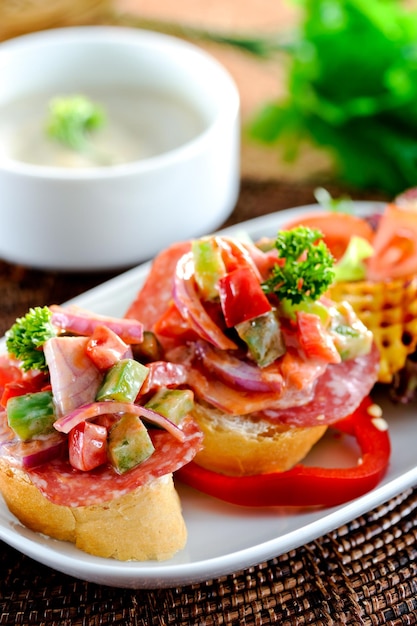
x: 62, y: 484
x: 156, y: 293
x: 338, y: 393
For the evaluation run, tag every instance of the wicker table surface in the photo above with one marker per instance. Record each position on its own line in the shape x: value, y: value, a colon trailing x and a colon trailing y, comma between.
x: 362, y: 573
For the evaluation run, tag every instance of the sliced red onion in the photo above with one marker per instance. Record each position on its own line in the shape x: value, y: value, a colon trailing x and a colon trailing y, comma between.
x: 95, y: 409
x: 28, y: 454
x: 81, y: 322
x: 6, y: 433
x: 239, y: 251
x: 74, y: 377
x: 189, y: 305
x: 237, y: 373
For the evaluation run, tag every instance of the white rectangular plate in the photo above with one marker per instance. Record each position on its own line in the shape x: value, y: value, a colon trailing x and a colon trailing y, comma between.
x: 222, y: 538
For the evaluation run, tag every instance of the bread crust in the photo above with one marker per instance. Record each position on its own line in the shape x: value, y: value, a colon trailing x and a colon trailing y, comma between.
x: 145, y: 524
x: 243, y: 445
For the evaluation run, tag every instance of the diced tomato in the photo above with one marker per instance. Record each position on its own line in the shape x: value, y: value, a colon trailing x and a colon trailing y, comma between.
x: 87, y: 444
x: 171, y: 324
x: 314, y: 340
x: 107, y: 420
x: 395, y: 244
x: 163, y: 374
x: 27, y: 383
x: 241, y: 296
x: 105, y: 347
x: 9, y: 371
x: 337, y: 228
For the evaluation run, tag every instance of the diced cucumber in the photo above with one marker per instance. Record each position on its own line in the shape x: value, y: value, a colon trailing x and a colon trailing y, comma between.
x: 31, y: 414
x: 174, y: 404
x: 209, y: 267
x: 123, y: 381
x: 129, y: 443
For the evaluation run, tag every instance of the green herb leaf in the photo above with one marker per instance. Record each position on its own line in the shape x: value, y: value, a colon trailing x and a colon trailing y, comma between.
x: 72, y: 120
x: 306, y: 270
x: 26, y: 337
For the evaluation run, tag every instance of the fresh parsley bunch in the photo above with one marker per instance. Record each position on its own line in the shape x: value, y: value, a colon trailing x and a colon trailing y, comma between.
x: 24, y: 340
x: 305, y: 267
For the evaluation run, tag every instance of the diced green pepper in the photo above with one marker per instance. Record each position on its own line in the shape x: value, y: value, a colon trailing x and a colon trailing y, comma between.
x: 31, y: 414
x: 173, y: 404
x: 149, y: 350
x: 209, y: 267
x: 263, y: 337
x: 123, y: 381
x: 129, y: 443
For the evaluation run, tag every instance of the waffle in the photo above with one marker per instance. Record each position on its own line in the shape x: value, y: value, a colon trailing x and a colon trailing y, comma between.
x: 389, y: 310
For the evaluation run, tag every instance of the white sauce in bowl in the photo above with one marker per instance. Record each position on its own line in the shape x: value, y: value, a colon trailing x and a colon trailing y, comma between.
x: 140, y: 124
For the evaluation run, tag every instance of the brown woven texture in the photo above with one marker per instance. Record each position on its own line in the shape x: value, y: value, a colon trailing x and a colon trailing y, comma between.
x: 362, y: 573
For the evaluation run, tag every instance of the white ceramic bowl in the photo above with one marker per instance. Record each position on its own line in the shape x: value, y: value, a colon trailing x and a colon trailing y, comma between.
x: 113, y: 217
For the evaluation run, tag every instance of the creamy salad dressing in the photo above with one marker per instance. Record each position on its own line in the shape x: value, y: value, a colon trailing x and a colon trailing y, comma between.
x: 140, y: 124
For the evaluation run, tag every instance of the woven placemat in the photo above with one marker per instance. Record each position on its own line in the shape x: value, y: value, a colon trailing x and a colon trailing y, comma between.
x: 362, y: 573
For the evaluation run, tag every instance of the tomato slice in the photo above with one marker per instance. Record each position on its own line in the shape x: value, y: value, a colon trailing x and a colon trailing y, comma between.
x: 303, y: 485
x: 337, y: 229
x: 395, y: 244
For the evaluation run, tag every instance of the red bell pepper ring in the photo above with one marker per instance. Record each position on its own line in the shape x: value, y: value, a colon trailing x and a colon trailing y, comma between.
x: 302, y: 485
x: 241, y: 296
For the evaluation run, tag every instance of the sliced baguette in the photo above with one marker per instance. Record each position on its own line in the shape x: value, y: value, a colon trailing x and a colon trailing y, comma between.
x: 243, y: 445
x: 145, y: 524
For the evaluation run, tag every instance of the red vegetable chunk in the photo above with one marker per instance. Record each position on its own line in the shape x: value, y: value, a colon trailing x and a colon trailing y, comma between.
x: 87, y: 446
x: 241, y: 297
x: 303, y: 485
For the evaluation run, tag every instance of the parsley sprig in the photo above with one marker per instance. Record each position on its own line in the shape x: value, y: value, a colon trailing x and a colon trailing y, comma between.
x: 26, y: 337
x: 305, y: 269
x: 72, y: 120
